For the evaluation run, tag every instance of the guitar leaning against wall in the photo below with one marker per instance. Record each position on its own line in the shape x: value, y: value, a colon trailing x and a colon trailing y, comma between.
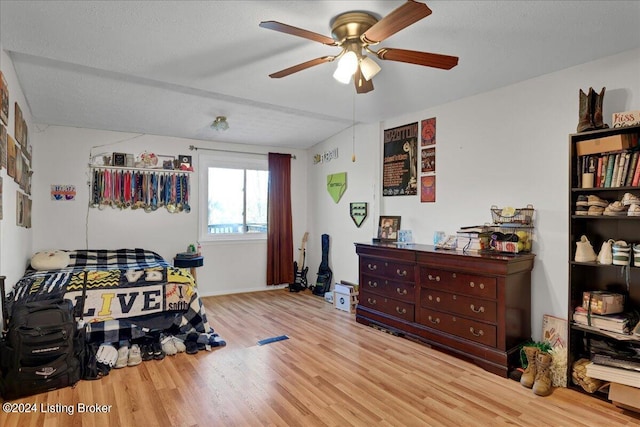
x: 323, y: 282
x: 300, y: 281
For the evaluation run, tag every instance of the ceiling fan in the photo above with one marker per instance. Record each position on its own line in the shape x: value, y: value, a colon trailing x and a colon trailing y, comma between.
x: 355, y: 33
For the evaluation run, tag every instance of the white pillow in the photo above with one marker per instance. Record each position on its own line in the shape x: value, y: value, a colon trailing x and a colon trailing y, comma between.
x: 50, y: 260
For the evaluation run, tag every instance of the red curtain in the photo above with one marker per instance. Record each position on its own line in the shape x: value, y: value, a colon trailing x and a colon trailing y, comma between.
x: 280, y: 229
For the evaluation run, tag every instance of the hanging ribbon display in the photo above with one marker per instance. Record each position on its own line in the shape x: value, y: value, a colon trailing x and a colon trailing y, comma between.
x: 146, y: 190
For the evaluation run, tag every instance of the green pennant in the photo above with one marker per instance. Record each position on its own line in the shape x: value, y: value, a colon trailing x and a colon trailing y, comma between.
x: 337, y: 185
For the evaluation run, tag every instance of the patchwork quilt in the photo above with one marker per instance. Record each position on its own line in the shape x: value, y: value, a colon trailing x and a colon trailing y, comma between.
x: 128, y: 293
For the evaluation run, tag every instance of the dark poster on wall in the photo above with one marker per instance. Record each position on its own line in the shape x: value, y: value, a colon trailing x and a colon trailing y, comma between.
x: 399, y: 171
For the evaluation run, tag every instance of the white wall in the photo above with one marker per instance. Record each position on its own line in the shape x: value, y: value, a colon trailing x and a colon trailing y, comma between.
x: 507, y: 147
x: 62, y: 158
x: 15, y: 242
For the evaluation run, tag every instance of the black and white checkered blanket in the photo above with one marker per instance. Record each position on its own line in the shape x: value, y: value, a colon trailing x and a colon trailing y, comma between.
x: 137, y: 289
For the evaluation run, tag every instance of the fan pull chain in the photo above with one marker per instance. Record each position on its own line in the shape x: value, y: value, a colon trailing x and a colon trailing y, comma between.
x: 353, y: 149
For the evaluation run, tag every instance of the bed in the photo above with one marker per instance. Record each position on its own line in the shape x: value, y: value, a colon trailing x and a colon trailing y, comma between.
x: 129, y: 293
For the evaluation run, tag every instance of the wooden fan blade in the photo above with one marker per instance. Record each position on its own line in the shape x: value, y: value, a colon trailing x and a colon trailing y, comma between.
x: 407, y: 14
x: 300, y: 67
x: 362, y: 85
x: 435, y: 60
x: 295, y: 31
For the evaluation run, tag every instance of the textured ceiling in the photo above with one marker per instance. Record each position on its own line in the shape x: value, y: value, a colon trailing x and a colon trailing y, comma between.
x: 170, y: 67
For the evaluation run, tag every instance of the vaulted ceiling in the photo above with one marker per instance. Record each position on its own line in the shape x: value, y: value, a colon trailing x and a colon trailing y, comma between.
x: 170, y: 67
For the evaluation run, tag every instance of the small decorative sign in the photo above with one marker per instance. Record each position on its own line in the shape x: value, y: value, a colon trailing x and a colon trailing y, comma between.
x: 63, y: 192
x: 327, y: 156
x: 337, y: 185
x: 626, y: 118
x: 358, y: 212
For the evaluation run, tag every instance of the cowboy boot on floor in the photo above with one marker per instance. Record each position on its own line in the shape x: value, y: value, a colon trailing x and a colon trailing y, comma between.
x: 585, y: 117
x: 542, y: 385
x: 598, y: 99
x: 528, y: 377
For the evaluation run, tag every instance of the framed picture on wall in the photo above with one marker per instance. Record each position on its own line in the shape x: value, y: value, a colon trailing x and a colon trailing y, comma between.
x: 119, y: 159
x: 388, y: 228
x: 4, y: 100
x: 3, y: 147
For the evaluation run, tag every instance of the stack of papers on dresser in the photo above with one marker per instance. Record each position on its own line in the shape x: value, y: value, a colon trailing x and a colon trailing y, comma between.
x: 472, y: 239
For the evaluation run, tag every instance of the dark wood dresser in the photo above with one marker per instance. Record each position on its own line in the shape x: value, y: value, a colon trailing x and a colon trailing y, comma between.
x: 474, y: 306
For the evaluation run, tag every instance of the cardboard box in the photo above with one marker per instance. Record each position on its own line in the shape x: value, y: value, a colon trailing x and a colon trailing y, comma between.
x: 628, y: 397
x: 603, y: 302
x: 606, y: 144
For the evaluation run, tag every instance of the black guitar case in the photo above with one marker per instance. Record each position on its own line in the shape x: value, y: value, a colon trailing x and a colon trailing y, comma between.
x: 323, y: 283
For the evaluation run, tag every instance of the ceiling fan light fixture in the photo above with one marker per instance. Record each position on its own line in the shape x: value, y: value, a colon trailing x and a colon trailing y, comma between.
x: 220, y: 124
x: 347, y: 65
x: 369, y: 68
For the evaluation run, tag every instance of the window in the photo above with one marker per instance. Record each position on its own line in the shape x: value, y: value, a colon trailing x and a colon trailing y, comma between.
x: 234, y: 197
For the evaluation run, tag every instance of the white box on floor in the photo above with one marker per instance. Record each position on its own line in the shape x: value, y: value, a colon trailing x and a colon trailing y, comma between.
x: 344, y: 297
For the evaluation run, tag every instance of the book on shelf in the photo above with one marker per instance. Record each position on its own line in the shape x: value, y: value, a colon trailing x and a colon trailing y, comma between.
x: 596, y: 181
x: 633, y: 163
x: 611, y: 322
x: 613, y: 374
x: 616, y: 170
x: 605, y: 162
x: 636, y: 175
x: 616, y: 362
x: 610, y: 166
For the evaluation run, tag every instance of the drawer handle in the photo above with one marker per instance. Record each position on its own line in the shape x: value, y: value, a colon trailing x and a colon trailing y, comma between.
x: 473, y: 285
x: 436, y: 278
x: 401, y: 273
x: 454, y: 275
x: 477, y: 310
x: 434, y: 321
x: 373, y: 284
x: 477, y: 334
x: 371, y: 301
x: 372, y: 267
x: 401, y: 291
x: 481, y: 285
x: 401, y: 310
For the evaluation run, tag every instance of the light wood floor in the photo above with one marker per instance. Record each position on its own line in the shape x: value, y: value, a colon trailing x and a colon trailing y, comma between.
x: 331, y: 371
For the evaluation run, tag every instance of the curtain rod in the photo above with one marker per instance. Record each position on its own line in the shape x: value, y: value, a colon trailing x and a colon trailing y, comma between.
x: 193, y: 147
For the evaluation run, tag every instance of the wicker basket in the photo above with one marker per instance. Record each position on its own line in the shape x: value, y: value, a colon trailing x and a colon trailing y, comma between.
x: 512, y: 216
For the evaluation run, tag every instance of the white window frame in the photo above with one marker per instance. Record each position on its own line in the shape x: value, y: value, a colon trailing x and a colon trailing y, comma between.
x: 224, y: 160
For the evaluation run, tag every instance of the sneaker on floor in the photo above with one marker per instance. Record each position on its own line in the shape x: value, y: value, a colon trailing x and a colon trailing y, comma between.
x: 147, y: 352
x: 634, y: 210
x: 595, y: 211
x: 123, y: 357
x: 597, y: 201
x: 616, y: 209
x: 180, y: 347
x: 630, y: 199
x: 134, y: 355
x: 158, y: 354
x: 168, y: 346
x: 191, y: 347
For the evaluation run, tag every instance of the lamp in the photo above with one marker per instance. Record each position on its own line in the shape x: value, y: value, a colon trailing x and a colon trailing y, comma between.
x: 347, y: 65
x: 220, y: 124
x: 369, y: 68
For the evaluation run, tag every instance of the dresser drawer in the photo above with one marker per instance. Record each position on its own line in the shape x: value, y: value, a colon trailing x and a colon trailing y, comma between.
x: 471, y: 307
x: 390, y: 306
x: 460, y: 283
x: 403, y: 291
x: 389, y: 269
x: 459, y: 326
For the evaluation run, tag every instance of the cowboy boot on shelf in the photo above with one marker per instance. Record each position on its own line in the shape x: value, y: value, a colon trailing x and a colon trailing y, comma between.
x: 529, y: 375
x: 585, y: 116
x: 598, y: 98
x: 542, y: 385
